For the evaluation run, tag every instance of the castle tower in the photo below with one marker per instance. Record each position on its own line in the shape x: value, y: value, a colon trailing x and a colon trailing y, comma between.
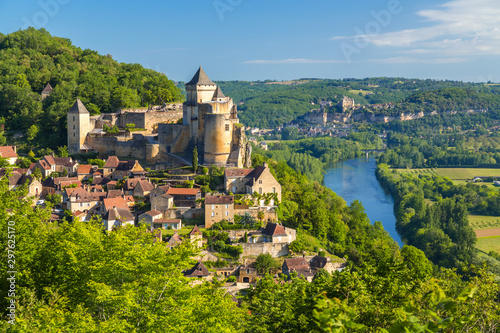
x: 199, y: 90
x: 78, y: 127
x: 46, y: 91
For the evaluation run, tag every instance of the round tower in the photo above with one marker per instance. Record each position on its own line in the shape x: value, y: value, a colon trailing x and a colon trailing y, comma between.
x: 218, y: 138
x: 78, y: 126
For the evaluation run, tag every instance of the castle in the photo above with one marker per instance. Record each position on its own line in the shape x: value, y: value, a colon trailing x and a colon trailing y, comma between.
x: 207, y: 120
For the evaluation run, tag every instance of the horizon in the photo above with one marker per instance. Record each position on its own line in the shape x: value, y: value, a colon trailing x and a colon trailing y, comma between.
x: 237, y: 40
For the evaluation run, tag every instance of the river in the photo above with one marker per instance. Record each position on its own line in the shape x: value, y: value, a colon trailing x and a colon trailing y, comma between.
x: 355, y: 179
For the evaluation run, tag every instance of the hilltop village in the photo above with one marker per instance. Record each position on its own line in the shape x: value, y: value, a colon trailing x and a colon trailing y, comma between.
x: 144, y: 177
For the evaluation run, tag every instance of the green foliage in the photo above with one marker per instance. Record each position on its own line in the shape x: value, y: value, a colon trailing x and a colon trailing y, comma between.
x: 54, y: 199
x: 96, y: 161
x: 265, y: 264
x: 195, y: 159
x: 31, y: 58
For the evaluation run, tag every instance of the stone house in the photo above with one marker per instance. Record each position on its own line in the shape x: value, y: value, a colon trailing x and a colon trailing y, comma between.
x: 175, y: 224
x: 298, y: 265
x: 319, y: 262
x: 116, y: 212
x: 116, y: 169
x: 137, y: 187
x: 56, y: 185
x: 196, y: 236
x: 16, y: 180
x: 85, y: 171
x: 82, y: 200
x: 277, y: 233
x: 218, y: 208
x: 174, y: 240
x: 46, y: 91
x: 160, y: 200
x: 49, y: 164
x: 247, y: 274
x: 249, y: 181
x: 184, y: 197
x: 197, y: 271
x: 9, y: 153
x: 150, y: 216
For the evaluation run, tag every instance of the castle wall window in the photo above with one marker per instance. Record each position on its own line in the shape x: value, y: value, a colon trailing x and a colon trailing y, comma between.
x: 73, y: 126
x: 73, y: 118
x: 227, y: 127
x: 74, y: 135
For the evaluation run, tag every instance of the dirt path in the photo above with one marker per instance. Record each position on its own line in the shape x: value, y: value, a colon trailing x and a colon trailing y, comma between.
x: 488, y: 232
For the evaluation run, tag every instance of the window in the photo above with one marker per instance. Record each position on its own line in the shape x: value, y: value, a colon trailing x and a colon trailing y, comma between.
x: 274, y: 189
x: 213, y: 207
x: 227, y: 213
x: 227, y: 206
x: 73, y: 126
x: 74, y: 134
x: 73, y: 118
x: 260, y: 181
x: 260, y: 190
x: 213, y: 214
x: 227, y: 127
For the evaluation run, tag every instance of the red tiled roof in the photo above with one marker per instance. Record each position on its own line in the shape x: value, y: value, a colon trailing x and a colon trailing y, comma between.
x: 274, y: 229
x: 84, y: 169
x: 296, y: 263
x: 219, y: 199
x: 7, y: 152
x: 167, y: 221
x: 118, y: 202
x: 50, y: 160
x: 183, y: 191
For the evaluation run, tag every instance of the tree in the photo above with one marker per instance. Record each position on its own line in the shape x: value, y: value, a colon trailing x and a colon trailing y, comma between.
x: 62, y: 151
x: 195, y: 159
x: 261, y: 215
x: 265, y: 263
x: 32, y: 133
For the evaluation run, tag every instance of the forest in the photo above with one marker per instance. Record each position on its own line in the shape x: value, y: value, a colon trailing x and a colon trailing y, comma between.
x: 30, y: 59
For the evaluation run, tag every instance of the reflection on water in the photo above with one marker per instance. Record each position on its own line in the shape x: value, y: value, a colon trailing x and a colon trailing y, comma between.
x: 355, y: 179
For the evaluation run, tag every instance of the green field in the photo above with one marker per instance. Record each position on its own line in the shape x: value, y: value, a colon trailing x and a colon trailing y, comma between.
x: 455, y: 173
x: 183, y: 231
x: 488, y: 244
x: 479, y: 222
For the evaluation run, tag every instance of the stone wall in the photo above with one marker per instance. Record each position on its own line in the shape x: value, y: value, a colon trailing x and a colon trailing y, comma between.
x: 185, y: 213
x: 275, y: 249
x: 148, y: 120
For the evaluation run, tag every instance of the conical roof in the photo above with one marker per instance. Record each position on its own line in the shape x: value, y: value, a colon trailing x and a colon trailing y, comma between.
x: 218, y: 94
x: 78, y: 107
x: 200, y: 78
x: 47, y: 89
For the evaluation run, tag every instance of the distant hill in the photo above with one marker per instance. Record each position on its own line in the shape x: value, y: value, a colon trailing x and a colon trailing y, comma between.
x: 30, y: 59
x: 268, y: 104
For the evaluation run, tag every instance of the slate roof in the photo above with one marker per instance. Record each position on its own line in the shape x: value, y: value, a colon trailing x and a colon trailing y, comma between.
x: 319, y: 261
x: 219, y: 199
x: 7, y: 152
x: 47, y: 89
x: 236, y: 173
x: 112, y: 162
x: 200, y: 78
x: 199, y: 270
x: 78, y: 107
x: 274, y: 229
x: 218, y: 94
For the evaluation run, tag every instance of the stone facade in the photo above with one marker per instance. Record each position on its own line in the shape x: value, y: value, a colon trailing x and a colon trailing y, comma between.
x: 218, y: 208
x: 210, y: 122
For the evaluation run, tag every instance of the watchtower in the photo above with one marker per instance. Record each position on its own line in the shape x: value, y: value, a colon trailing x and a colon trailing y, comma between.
x: 78, y: 127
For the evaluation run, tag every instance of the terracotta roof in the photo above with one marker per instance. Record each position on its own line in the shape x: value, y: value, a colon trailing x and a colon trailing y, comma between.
x: 199, y: 270
x: 112, y: 162
x: 8, y: 151
x: 81, y: 195
x: 66, y: 161
x: 195, y: 231
x: 219, y: 199
x: 118, y: 202
x: 47, y: 89
x: 50, y: 159
x: 78, y: 107
x: 218, y: 94
x: 183, y: 191
x: 14, y: 178
x: 84, y: 169
x: 145, y: 185
x: 273, y: 229
x: 229, y: 173
x: 200, y: 78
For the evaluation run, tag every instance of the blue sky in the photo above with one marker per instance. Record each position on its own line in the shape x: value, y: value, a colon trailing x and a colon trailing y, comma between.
x: 258, y: 40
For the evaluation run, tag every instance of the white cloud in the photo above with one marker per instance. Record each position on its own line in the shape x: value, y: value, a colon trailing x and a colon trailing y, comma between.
x: 458, y: 27
x: 410, y: 60
x: 296, y: 61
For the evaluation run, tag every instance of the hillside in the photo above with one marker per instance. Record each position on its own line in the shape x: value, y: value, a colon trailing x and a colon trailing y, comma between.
x: 29, y: 59
x: 267, y: 104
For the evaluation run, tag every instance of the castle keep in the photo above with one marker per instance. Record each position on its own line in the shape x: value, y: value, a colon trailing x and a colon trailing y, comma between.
x: 209, y: 122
